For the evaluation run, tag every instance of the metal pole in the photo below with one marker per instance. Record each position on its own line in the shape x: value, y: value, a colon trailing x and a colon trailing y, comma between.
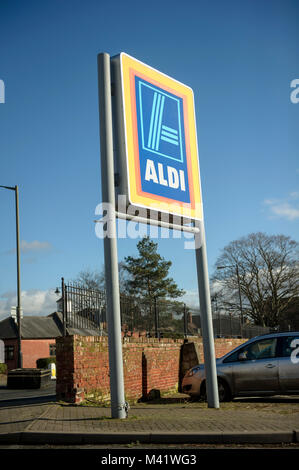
x: 157, y: 223
x: 185, y: 322
x: 156, y: 318
x: 118, y: 406
x: 219, y: 315
x: 18, y: 309
x: 20, y: 355
x: 63, y: 306
x: 206, y: 318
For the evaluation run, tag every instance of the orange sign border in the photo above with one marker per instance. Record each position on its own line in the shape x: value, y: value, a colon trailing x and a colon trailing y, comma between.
x: 130, y: 68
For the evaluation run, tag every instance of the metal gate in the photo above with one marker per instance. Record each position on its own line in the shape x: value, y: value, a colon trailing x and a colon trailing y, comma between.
x: 82, y: 308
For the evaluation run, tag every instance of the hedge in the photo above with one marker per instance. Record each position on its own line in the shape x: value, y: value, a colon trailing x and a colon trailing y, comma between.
x: 3, y: 368
x: 44, y: 362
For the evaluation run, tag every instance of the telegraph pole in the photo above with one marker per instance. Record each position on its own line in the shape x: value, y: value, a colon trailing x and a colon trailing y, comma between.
x: 19, y: 308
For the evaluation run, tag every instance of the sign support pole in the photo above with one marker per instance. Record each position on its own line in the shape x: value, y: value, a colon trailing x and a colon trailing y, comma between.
x: 118, y: 405
x: 19, y: 310
x: 206, y: 318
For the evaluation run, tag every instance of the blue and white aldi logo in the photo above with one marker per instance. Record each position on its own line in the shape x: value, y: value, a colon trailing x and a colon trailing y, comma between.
x: 160, y: 145
x: 161, y: 142
x: 160, y: 122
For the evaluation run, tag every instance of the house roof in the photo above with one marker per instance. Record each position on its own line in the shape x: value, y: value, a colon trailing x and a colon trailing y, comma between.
x: 33, y: 327
x: 8, y: 328
x: 41, y: 327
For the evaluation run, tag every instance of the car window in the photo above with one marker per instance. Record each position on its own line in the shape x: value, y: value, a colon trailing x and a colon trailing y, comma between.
x: 289, y: 343
x: 263, y: 349
x: 234, y: 357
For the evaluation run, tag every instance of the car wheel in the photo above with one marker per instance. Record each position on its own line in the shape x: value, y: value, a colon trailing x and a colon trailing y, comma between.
x: 203, y: 392
x: 223, y: 391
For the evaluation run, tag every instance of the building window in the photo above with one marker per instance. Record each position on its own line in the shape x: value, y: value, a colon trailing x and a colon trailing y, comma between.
x: 9, y: 353
x: 52, y: 349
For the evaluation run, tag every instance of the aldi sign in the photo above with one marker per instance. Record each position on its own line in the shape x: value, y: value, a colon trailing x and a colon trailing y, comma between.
x: 159, y: 152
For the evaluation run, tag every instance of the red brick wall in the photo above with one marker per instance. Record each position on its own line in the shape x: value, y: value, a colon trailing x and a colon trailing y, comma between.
x: 222, y: 345
x: 34, y: 349
x: 82, y: 366
x: 161, y: 362
x: 225, y: 345
x: 65, y: 377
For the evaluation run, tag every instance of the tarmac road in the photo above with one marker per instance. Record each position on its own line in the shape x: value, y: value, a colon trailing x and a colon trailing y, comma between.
x: 19, y: 397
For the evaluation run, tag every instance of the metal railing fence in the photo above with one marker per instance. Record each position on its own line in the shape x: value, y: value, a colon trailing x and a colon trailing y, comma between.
x: 85, y: 309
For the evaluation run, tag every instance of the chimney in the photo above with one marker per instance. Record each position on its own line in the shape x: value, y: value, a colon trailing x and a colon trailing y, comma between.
x: 13, y: 313
x: 59, y: 305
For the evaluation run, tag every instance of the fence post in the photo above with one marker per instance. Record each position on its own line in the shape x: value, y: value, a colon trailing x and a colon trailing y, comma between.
x: 185, y: 322
x: 156, y: 317
x: 63, y: 306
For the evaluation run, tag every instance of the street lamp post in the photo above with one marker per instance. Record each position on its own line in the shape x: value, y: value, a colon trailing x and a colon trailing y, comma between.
x: 20, y: 356
x: 239, y: 290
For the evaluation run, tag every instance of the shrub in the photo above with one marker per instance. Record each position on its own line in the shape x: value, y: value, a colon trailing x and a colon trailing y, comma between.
x: 173, y: 335
x: 44, y: 362
x: 3, y: 368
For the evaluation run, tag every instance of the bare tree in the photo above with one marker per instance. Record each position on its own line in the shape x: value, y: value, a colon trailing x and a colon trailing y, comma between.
x: 89, y: 279
x: 93, y: 279
x: 260, y: 271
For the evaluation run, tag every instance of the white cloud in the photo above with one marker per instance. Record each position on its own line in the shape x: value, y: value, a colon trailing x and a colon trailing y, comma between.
x: 287, y: 208
x: 191, y: 298
x: 216, y: 287
x: 271, y: 201
x: 34, y: 302
x: 33, y: 247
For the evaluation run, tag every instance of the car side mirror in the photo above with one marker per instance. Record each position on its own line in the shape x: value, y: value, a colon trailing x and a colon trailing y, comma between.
x: 242, y: 356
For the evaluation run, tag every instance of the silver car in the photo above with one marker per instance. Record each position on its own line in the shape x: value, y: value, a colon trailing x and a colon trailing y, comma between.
x: 264, y: 365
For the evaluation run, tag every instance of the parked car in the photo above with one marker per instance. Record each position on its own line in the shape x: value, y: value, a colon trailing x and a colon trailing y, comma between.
x: 263, y: 366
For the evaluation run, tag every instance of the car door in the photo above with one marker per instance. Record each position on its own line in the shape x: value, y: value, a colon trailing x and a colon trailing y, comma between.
x: 258, y: 371
x: 288, y: 364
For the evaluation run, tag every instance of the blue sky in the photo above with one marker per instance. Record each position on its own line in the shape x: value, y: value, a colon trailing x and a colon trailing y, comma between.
x: 238, y: 56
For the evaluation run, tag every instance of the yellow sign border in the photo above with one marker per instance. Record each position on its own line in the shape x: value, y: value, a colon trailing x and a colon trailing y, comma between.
x: 129, y: 66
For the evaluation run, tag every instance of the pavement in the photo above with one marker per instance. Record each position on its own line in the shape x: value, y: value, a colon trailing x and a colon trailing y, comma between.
x: 36, y: 418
